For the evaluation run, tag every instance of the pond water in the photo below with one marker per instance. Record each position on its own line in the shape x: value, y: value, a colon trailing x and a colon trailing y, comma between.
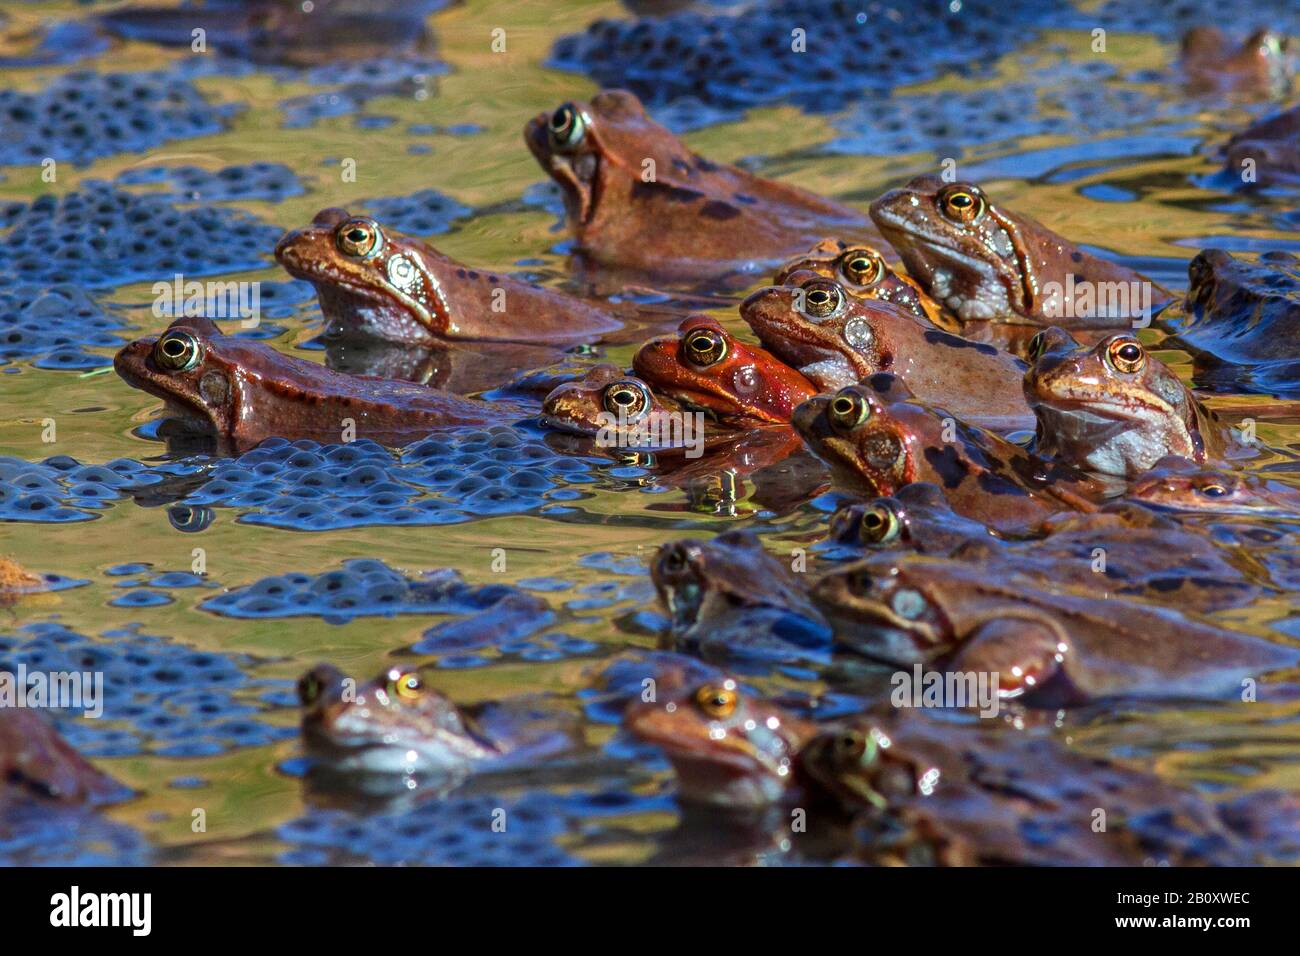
x: 1106, y: 148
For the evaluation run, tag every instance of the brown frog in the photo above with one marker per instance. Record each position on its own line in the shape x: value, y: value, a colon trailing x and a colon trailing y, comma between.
x: 707, y: 588
x: 1113, y: 409
x: 242, y: 391
x: 836, y: 339
x: 1051, y: 644
x: 1269, y: 150
x: 398, y: 725
x: 1124, y: 549
x: 36, y: 763
x: 1262, y: 65
x: 372, y: 280
x: 987, y: 263
x: 863, y: 272
x: 639, y: 201
x: 877, y: 438
x: 705, y: 367
x: 934, y: 793
x: 612, y: 403
x: 728, y: 748
x: 1182, y: 485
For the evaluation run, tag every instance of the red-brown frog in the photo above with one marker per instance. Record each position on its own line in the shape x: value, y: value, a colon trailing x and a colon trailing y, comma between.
x: 836, y: 339
x: 1053, y: 644
x: 729, y: 748
x: 863, y: 272
x: 1179, y: 484
x: 705, y: 367
x: 877, y: 437
x: 241, y: 391
x: 639, y: 201
x: 372, y: 280
x: 987, y: 263
x: 1113, y: 409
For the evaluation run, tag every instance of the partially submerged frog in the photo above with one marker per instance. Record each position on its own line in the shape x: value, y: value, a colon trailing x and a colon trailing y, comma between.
x: 987, y: 263
x: 728, y: 748
x: 1261, y: 65
x: 242, y: 391
x: 1269, y: 150
x: 397, y: 725
x: 1123, y: 549
x: 715, y: 609
x: 639, y: 201
x: 1181, y: 485
x: 877, y: 438
x: 934, y: 793
x: 836, y: 339
x: 1113, y: 409
x: 705, y: 367
x: 863, y: 272
x: 36, y: 763
x: 608, y: 402
x: 375, y: 281
x: 1243, y: 322
x: 1052, y: 644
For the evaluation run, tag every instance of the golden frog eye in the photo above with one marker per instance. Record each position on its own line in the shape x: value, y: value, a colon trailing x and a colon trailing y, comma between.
x: 177, y: 352
x: 880, y: 524
x: 962, y: 204
x: 1125, y: 355
x: 1212, y: 490
x: 406, y: 686
x: 629, y: 399
x: 821, y: 300
x: 848, y: 409
x: 717, y: 702
x: 705, y: 347
x: 567, y: 127
x: 358, y: 237
x: 862, y: 266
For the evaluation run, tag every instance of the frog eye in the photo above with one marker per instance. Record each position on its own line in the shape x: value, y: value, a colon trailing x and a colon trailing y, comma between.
x: 880, y: 524
x: 1125, y: 355
x: 862, y: 266
x: 405, y: 686
x: 177, y: 352
x: 1213, y: 490
x: 1036, y: 346
x: 705, y: 347
x: 717, y: 702
x: 848, y: 409
x: 962, y: 204
x: 674, y: 560
x: 358, y: 237
x: 309, y: 689
x: 629, y: 399
x: 849, y: 748
x: 821, y: 300
x: 567, y: 127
